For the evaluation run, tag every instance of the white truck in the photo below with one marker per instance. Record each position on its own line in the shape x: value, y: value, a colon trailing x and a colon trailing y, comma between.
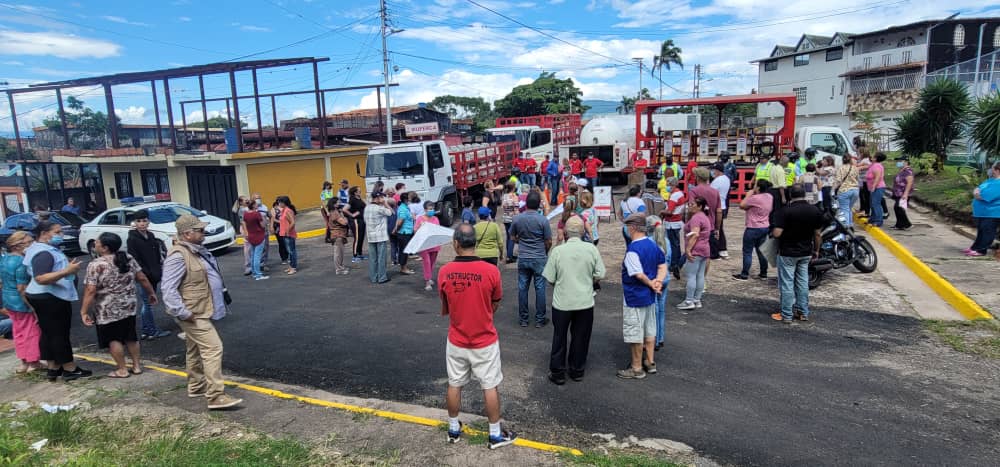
x: 439, y: 173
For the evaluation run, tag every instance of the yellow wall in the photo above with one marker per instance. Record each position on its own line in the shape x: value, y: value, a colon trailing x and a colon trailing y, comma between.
x: 300, y: 180
x: 342, y: 167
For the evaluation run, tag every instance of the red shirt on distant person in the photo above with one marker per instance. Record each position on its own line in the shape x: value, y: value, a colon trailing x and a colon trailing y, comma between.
x: 592, y: 165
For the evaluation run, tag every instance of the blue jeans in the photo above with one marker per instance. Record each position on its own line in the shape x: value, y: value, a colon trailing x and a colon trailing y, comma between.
x: 591, y: 183
x: 695, y: 272
x: 6, y: 326
x: 293, y: 254
x: 986, y: 232
x: 146, y: 312
x: 256, y: 253
x: 529, y: 179
x: 530, y: 270
x: 510, y: 241
x: 877, y: 213
x: 661, y: 312
x: 846, y: 200
x: 377, y: 254
x: 753, y: 238
x: 553, y: 191
x: 676, y: 258
x: 793, y: 281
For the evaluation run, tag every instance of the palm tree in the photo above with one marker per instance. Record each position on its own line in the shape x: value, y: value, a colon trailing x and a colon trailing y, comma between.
x: 668, y: 54
x: 626, y: 105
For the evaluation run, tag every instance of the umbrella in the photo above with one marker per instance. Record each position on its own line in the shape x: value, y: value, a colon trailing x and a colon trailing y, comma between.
x: 427, y: 237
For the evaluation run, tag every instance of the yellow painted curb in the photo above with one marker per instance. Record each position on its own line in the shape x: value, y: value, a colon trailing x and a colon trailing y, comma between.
x: 400, y: 417
x: 961, y: 302
x: 305, y: 234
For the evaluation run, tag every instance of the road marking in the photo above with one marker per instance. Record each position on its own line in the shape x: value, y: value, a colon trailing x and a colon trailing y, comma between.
x: 305, y: 234
x: 961, y: 302
x: 397, y: 416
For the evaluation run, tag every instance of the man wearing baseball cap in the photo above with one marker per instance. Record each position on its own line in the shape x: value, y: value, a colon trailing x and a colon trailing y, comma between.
x: 194, y: 293
x: 643, y: 271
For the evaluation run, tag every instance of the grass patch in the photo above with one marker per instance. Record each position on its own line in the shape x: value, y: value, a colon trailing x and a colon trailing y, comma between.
x: 981, y: 337
x: 949, y: 191
x: 617, y: 459
x: 87, y: 441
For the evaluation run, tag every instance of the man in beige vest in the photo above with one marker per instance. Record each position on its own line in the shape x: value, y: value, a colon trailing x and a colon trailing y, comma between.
x: 194, y: 294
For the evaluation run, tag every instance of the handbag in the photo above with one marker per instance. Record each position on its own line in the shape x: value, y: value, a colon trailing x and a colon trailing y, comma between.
x: 841, y: 182
x: 226, y: 298
x: 770, y: 250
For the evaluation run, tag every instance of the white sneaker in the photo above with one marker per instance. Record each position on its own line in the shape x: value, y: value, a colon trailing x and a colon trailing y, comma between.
x: 182, y: 336
x: 261, y: 278
x: 697, y: 304
x: 724, y: 254
x: 429, y: 286
x: 686, y: 305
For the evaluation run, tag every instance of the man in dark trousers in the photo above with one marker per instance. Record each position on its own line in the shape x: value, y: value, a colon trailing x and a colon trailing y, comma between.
x: 149, y: 252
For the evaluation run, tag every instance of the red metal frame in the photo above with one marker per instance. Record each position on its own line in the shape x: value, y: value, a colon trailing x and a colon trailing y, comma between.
x: 544, y: 121
x: 784, y: 138
x: 472, y: 166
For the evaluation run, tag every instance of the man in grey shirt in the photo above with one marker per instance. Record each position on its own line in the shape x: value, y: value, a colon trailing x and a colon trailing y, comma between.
x: 533, y: 235
x: 194, y: 294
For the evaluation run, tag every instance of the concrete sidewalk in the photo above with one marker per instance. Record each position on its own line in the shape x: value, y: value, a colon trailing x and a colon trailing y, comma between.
x: 936, y: 243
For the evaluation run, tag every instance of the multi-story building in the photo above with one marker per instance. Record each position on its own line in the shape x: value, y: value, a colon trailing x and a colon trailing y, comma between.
x: 881, y: 72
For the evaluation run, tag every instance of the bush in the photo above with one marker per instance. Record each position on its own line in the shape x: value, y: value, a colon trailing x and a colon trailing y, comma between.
x: 923, y: 164
x: 986, y: 129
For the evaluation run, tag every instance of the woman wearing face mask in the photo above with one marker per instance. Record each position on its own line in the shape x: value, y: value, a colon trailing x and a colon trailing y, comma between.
x: 51, y: 293
x: 902, y: 185
x: 428, y: 257
x: 986, y: 210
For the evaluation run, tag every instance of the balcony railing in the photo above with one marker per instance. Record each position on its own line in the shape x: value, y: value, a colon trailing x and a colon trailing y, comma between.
x: 889, y: 83
x: 965, y: 72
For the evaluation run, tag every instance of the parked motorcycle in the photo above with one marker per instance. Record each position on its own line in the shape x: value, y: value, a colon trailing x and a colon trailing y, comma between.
x: 841, y: 247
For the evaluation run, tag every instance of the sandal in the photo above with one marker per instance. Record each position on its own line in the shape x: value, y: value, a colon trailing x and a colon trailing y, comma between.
x: 116, y: 376
x: 133, y: 371
x: 291, y: 271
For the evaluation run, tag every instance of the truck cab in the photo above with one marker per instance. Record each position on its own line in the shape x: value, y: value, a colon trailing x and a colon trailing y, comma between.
x: 423, y: 166
x: 826, y: 140
x: 535, y: 141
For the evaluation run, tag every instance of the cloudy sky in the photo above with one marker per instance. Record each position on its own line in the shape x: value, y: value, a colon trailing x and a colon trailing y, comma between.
x: 473, y: 48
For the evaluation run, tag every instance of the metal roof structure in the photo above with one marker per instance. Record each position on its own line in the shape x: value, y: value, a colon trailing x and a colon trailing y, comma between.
x: 198, y: 71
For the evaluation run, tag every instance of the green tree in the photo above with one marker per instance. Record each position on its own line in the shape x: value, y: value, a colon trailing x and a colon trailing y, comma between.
x: 626, y: 106
x: 937, y: 122
x: 546, y: 95
x: 986, y: 129
x: 867, y: 123
x: 217, y: 122
x: 89, y: 129
x: 8, y: 151
x: 669, y: 53
x: 476, y: 108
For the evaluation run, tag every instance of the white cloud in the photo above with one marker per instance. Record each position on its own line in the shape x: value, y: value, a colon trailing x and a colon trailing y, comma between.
x: 556, y: 2
x: 300, y: 114
x: 13, y: 63
x: 121, y: 20
x: 251, y: 28
x: 132, y: 114
x: 183, y: 19
x: 55, y: 44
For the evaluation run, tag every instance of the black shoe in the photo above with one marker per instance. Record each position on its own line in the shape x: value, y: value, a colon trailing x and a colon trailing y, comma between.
x: 542, y: 323
x: 576, y: 378
x: 52, y: 375
x: 559, y: 380
x: 510, y: 260
x: 523, y: 324
x: 656, y: 348
x: 77, y: 373
x: 762, y: 275
x: 741, y: 277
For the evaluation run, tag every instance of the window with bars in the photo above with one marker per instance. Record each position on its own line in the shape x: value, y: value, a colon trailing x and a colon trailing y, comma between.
x: 834, y: 54
x: 801, y: 60
x: 800, y: 96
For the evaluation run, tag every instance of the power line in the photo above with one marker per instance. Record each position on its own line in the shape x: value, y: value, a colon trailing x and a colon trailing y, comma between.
x: 109, y: 31
x: 329, y: 31
x: 501, y: 67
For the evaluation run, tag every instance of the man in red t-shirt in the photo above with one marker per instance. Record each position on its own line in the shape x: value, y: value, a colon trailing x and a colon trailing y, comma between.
x: 576, y: 166
x: 592, y: 164
x: 530, y: 167
x: 470, y: 291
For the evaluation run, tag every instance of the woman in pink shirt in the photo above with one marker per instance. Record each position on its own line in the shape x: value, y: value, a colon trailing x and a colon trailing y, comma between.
x: 757, y: 204
x: 696, y: 233
x: 428, y: 257
x: 875, y: 179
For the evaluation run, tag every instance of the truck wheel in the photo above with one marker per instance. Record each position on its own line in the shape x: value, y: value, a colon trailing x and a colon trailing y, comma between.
x: 447, y: 214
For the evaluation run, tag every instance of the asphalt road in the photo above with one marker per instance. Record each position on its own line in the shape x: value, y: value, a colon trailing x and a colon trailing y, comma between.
x: 851, y: 388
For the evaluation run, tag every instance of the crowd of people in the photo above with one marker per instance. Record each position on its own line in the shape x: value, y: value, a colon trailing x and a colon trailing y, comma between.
x: 789, y: 203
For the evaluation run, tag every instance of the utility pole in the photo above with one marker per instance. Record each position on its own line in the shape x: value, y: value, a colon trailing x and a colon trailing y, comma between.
x: 697, y: 85
x: 385, y: 70
x: 638, y: 60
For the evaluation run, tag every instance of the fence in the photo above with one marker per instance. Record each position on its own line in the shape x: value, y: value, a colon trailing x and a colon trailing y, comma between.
x: 886, y: 83
x: 965, y: 72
